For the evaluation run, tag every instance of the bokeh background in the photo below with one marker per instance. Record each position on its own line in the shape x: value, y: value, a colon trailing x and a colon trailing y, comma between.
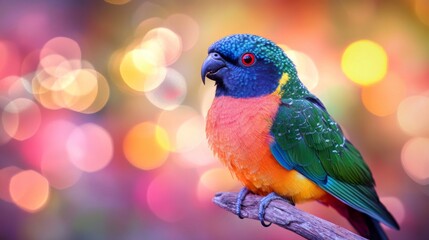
x: 102, y: 111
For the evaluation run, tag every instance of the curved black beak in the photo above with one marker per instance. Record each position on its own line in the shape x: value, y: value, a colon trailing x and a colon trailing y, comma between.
x: 213, y: 67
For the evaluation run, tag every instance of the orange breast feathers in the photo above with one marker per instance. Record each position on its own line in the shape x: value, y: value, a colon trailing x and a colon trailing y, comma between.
x: 238, y: 131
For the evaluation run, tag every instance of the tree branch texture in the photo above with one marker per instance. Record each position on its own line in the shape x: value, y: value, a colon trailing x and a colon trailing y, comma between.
x: 286, y: 216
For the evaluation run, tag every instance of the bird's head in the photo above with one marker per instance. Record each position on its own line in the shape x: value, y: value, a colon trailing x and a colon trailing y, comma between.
x: 244, y: 65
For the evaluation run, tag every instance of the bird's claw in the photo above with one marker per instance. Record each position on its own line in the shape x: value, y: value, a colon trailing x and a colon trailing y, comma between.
x: 241, y: 195
x: 263, y: 204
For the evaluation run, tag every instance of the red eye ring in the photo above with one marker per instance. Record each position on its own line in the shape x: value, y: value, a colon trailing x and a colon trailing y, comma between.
x: 248, y: 59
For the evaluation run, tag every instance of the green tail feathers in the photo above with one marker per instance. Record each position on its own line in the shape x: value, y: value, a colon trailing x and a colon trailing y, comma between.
x: 366, y: 225
x: 361, y: 198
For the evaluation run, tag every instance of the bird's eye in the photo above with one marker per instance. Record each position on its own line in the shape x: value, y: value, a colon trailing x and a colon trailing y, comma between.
x: 248, y: 59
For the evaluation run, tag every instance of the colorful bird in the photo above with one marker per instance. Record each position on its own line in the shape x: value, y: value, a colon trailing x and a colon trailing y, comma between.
x: 279, y: 140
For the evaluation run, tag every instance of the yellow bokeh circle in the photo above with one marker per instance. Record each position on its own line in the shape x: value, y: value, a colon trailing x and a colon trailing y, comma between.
x: 364, y: 62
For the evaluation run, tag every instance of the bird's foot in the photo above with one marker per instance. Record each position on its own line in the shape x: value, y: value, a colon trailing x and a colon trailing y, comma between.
x: 263, y: 204
x: 241, y: 195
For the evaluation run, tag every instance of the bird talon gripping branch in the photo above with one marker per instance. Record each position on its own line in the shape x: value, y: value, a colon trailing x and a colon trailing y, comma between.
x: 265, y: 201
x: 241, y: 195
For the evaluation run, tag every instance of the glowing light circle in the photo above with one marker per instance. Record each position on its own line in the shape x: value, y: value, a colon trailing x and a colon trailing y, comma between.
x: 170, y: 93
x: 146, y: 146
x: 29, y: 190
x: 364, y: 62
x: 90, y: 147
x: 415, y: 159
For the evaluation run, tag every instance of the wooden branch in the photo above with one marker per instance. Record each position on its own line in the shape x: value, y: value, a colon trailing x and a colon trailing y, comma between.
x: 285, y: 215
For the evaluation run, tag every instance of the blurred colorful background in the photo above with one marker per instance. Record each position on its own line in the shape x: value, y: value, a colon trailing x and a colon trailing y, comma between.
x: 103, y: 110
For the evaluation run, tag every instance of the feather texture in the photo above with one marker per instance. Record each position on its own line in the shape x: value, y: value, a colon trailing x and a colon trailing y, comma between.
x: 238, y: 131
x: 309, y: 141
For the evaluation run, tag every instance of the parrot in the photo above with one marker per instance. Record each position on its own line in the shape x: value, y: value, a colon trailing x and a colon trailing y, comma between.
x: 279, y: 140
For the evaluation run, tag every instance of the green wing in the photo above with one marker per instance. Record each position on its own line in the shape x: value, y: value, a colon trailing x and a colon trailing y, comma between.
x: 308, y: 140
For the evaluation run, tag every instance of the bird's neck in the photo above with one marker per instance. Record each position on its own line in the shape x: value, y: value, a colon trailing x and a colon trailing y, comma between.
x: 293, y: 88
